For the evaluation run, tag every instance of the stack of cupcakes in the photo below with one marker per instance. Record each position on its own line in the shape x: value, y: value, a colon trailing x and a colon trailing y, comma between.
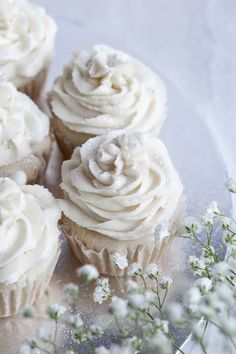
x: 29, y: 214
x: 118, y: 181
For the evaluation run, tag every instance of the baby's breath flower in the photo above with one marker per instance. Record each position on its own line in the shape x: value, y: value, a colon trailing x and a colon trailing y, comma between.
x: 95, y: 332
x: 232, y: 251
x: 120, y: 260
x: 192, y: 225
x: 208, y: 254
x: 102, y: 291
x: 225, y: 222
x: 207, y: 312
x: 152, y: 271
x: 131, y: 286
x: 32, y: 343
x: 77, y: 325
x: 118, y: 307
x: 88, y: 272
x: 197, y: 333
x: 207, y: 220
x: 229, y: 238
x: 138, y: 301
x: 76, y: 321
x: 160, y: 343
x: 55, y: 311
x: 44, y: 335
x: 176, y: 313
x: 114, y: 349
x: 192, y: 296
x: 225, y: 293
x: 198, y: 265
x: 161, y: 232
x: 231, y: 185
x: 134, y: 343
x: 71, y: 290
x: 135, y: 269
x: 150, y: 297
x: 161, y: 325
x: 25, y: 349
x: 213, y: 209
x: 220, y: 270
x: 204, y: 285
x: 213, y: 301
x: 165, y: 282
x: 27, y: 312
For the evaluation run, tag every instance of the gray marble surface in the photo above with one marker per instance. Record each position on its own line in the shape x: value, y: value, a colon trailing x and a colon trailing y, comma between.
x: 192, y: 43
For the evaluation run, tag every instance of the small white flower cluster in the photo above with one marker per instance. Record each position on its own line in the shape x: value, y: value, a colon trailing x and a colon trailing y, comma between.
x: 55, y: 311
x: 162, y: 231
x: 120, y: 260
x: 102, y: 291
x: 231, y: 185
x: 88, y: 273
x: 210, y: 298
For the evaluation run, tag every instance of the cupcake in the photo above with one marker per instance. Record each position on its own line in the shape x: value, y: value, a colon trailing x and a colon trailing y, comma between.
x: 102, y: 91
x: 118, y: 189
x: 26, y: 45
x: 29, y: 243
x: 25, y: 143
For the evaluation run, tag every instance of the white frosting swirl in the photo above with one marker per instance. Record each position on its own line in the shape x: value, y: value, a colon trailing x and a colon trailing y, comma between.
x: 121, y: 185
x: 108, y: 90
x: 29, y: 236
x: 26, y: 40
x: 22, y: 125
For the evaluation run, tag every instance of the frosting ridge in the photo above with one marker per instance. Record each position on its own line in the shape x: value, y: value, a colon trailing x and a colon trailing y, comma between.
x: 28, y: 229
x: 22, y: 125
x: 106, y: 90
x: 121, y: 185
x: 26, y: 40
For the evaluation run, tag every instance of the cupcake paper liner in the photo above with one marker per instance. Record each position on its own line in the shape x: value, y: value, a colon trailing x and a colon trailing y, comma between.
x: 67, y: 139
x: 35, y: 86
x: 23, y: 293
x: 143, y: 254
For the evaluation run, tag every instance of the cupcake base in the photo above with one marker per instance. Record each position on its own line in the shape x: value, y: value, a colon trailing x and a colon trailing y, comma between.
x: 68, y: 139
x: 90, y: 247
x: 33, y: 165
x: 24, y: 293
x: 35, y: 86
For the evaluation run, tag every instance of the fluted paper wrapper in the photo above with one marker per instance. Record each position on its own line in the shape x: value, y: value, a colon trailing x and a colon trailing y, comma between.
x: 68, y: 139
x: 15, y: 296
x: 35, y: 86
x: 143, y: 254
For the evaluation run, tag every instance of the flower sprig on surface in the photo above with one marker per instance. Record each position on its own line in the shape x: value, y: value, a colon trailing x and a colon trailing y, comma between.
x: 208, y: 301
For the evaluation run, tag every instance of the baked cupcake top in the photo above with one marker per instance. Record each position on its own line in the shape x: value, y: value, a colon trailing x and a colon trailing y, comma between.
x: 22, y: 125
x: 105, y: 90
x: 28, y: 229
x: 26, y: 40
x: 121, y: 185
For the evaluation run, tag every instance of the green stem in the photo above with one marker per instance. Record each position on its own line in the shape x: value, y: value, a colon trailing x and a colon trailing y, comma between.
x: 159, y: 304
x: 202, y: 347
x: 119, y: 283
x: 230, y: 281
x: 178, y: 348
x: 164, y: 297
x: 144, y: 282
